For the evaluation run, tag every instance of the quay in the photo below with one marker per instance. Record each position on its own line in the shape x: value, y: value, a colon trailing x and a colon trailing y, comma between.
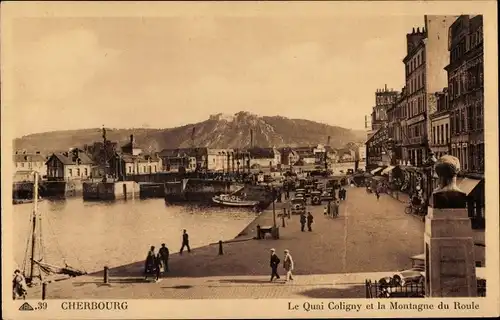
x: 370, y: 239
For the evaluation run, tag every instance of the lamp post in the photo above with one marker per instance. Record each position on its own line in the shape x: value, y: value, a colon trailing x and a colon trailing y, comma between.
x: 429, y: 166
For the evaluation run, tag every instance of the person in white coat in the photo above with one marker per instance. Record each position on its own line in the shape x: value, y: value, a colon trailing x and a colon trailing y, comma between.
x: 288, y: 265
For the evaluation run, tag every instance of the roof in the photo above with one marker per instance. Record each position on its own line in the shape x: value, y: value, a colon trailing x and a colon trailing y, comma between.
x: 71, y: 158
x: 28, y: 158
x: 177, y: 153
x: 261, y: 153
x: 128, y: 158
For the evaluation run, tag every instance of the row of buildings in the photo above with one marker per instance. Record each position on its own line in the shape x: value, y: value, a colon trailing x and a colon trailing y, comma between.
x: 439, y: 111
x: 106, y: 158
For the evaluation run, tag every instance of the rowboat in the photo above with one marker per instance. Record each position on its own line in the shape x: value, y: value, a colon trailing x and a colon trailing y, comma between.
x: 233, y: 201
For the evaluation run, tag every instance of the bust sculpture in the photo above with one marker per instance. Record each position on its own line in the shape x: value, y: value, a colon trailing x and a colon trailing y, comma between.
x: 448, y: 195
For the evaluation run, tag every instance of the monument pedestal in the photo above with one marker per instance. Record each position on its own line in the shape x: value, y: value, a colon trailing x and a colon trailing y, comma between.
x: 449, y: 254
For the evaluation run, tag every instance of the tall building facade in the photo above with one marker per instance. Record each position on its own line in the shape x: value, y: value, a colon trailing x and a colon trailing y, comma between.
x: 378, y: 152
x: 466, y: 97
x: 440, y: 141
x: 384, y: 99
x: 466, y: 107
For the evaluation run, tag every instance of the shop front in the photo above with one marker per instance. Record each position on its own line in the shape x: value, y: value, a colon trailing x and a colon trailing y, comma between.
x: 474, y: 188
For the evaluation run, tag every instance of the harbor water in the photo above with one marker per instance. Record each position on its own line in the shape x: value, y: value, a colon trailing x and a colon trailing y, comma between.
x: 91, y: 235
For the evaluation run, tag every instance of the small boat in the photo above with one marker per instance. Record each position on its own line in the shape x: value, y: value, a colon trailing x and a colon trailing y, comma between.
x: 233, y: 201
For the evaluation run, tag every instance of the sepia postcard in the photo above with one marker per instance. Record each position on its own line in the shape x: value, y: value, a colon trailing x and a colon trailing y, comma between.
x: 249, y: 159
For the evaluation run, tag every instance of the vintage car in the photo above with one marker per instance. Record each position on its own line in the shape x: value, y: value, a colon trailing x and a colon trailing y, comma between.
x: 298, y: 205
x: 327, y: 195
x: 316, y: 198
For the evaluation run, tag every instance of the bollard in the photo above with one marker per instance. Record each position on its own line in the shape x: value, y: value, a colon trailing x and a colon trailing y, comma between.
x: 44, y: 290
x: 221, y: 252
x: 258, y: 232
x: 283, y: 220
x: 106, y: 275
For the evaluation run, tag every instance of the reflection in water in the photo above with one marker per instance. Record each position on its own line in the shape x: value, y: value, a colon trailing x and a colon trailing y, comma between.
x: 91, y: 235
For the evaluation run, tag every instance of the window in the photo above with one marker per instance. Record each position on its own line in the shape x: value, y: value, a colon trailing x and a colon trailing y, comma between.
x: 70, y: 172
x: 77, y: 172
x: 434, y: 135
x: 129, y: 169
x: 446, y: 134
x: 86, y: 172
x: 465, y: 162
x: 22, y: 164
x: 442, y: 134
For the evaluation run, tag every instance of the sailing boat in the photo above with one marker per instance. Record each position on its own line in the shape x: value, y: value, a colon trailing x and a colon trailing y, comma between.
x: 35, y: 269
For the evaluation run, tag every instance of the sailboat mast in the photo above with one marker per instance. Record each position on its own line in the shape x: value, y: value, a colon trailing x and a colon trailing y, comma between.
x: 33, y: 234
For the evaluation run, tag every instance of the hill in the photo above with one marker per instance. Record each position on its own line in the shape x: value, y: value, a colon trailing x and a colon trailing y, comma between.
x: 219, y: 131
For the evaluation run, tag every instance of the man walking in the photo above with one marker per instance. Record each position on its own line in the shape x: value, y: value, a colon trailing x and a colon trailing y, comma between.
x: 302, y: 221
x: 150, y: 264
x: 274, y: 263
x: 377, y: 192
x: 164, y: 254
x: 310, y: 220
x: 185, y: 241
x: 288, y: 265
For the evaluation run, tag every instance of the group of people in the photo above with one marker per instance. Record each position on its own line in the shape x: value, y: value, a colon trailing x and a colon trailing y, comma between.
x: 156, y: 262
x: 287, y: 265
x: 309, y: 219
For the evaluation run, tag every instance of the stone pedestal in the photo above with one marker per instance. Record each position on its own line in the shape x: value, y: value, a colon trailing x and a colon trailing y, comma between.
x: 449, y: 254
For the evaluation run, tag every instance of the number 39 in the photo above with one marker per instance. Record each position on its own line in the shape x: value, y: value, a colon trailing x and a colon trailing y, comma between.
x: 42, y: 305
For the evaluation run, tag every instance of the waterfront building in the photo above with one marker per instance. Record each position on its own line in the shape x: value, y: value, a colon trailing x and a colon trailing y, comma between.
x: 466, y: 108
x: 306, y: 155
x: 289, y: 156
x: 264, y: 157
x: 25, y: 163
x: 72, y: 165
x: 131, y: 160
x: 220, y: 160
x: 178, y: 160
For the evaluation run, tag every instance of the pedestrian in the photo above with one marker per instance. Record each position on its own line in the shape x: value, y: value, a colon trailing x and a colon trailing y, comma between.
x: 303, y: 220
x: 345, y: 194
x: 164, y: 254
x: 158, y: 265
x: 310, y: 220
x: 274, y: 263
x: 19, y: 286
x: 337, y: 208
x: 150, y: 263
x: 377, y: 193
x: 185, y: 241
x: 288, y: 265
x: 334, y: 208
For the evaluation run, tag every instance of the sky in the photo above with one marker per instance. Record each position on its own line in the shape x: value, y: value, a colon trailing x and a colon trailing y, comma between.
x: 161, y: 72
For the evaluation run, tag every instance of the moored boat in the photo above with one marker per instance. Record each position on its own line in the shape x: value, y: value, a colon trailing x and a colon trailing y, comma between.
x: 233, y: 201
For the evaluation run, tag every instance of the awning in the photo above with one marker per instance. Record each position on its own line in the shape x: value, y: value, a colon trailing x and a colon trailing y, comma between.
x: 387, y: 170
x: 467, y: 185
x: 375, y: 170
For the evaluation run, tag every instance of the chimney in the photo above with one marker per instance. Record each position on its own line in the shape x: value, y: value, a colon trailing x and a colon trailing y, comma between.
x: 17, y: 152
x: 37, y: 152
x: 385, y: 87
x: 328, y: 141
x: 131, y: 138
